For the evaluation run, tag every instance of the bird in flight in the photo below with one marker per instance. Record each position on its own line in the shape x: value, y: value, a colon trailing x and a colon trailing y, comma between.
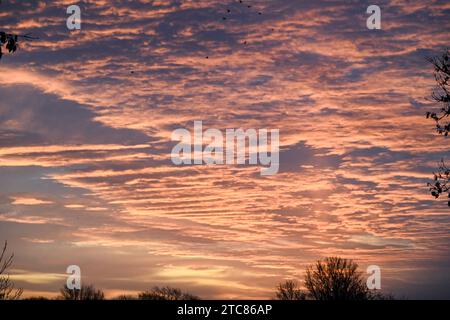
x: 229, y: 12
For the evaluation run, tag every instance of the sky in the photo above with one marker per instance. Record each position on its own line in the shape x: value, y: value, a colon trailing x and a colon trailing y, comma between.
x: 86, y: 118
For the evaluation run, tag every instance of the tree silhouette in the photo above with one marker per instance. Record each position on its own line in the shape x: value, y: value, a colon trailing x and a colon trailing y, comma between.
x: 332, y: 278
x: 289, y: 290
x: 441, y: 95
x: 87, y: 292
x: 125, y: 297
x: 336, y: 279
x: 11, y: 41
x: 36, y: 298
x: 441, y: 181
x: 7, y: 291
x: 166, y: 293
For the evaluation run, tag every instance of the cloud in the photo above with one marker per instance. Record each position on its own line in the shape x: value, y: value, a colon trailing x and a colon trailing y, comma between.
x: 29, y: 201
x: 86, y: 119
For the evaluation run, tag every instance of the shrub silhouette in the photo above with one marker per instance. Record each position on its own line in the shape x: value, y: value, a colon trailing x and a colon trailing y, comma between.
x: 87, y: 292
x: 125, y: 297
x: 36, y: 298
x: 289, y: 290
x: 166, y: 293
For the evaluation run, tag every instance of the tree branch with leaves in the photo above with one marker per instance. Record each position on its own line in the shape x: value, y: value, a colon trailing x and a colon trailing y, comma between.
x: 11, y: 41
x: 441, y: 95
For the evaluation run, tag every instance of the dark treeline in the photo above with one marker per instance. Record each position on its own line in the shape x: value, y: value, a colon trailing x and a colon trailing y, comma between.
x: 328, y: 279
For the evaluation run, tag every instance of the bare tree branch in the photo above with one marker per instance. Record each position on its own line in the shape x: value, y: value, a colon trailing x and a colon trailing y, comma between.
x: 7, y: 291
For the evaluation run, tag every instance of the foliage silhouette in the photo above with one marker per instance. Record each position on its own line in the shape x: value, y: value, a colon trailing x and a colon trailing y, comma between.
x: 441, y: 95
x: 11, y: 41
x: 166, y: 293
x: 36, y: 298
x: 126, y: 297
x: 289, y: 290
x: 7, y: 291
x: 336, y: 278
x: 332, y: 278
x: 87, y: 292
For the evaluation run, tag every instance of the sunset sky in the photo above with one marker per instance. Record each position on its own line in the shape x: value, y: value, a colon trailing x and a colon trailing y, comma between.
x: 86, y: 119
